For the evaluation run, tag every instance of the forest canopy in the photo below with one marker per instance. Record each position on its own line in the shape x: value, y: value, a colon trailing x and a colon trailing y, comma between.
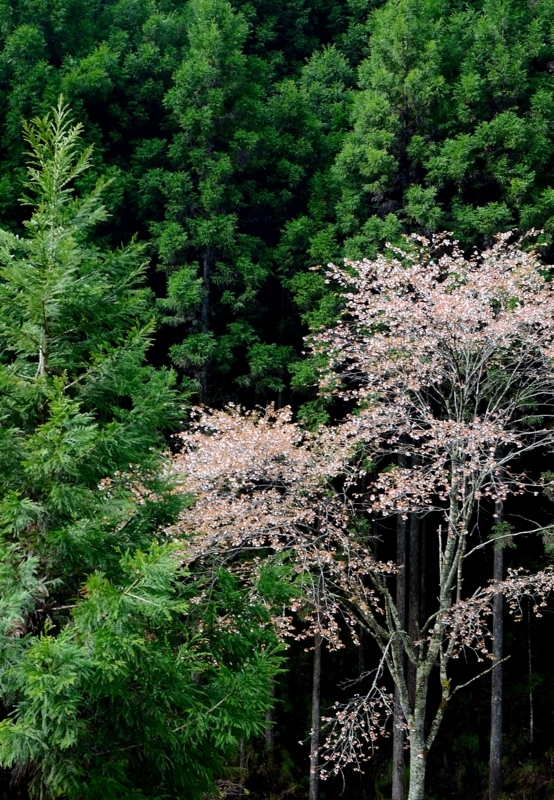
x: 263, y: 519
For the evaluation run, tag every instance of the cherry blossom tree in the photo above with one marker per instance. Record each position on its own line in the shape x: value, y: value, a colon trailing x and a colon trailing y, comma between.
x: 264, y: 505
x: 447, y: 365
x: 261, y: 485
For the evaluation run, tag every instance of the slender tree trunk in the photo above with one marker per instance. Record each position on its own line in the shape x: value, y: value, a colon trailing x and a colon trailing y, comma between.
x: 376, y: 549
x: 43, y: 347
x: 422, y: 576
x: 269, y: 722
x: 42, y: 361
x: 414, y: 597
x: 418, y: 752
x: 530, y: 659
x: 495, y: 766
x: 398, y: 729
x: 242, y: 755
x: 420, y: 741
x: 398, y: 750
x: 417, y: 772
x: 207, y: 267
x: 316, y: 702
x: 281, y: 339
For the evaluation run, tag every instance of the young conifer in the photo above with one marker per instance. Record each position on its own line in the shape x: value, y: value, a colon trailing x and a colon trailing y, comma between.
x: 113, y: 683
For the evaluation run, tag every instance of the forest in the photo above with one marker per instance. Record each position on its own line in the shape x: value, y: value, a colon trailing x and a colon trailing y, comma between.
x: 276, y: 399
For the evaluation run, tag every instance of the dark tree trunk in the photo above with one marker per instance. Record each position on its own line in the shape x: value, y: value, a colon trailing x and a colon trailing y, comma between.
x: 376, y: 549
x: 414, y: 597
x: 243, y: 768
x: 316, y: 702
x: 269, y: 723
x: 398, y: 730
x: 422, y: 576
x: 530, y: 660
x: 495, y: 766
x: 207, y: 268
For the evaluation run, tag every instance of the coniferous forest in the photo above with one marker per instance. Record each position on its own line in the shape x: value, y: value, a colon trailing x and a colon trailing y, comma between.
x: 276, y: 399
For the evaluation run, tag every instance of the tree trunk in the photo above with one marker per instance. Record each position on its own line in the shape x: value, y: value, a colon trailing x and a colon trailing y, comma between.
x: 376, y: 549
x: 495, y: 766
x: 417, y: 772
x: 398, y: 750
x: 269, y: 722
x: 418, y: 752
x: 242, y: 762
x: 207, y: 267
x: 422, y: 576
x: 398, y: 722
x: 530, y: 659
x: 44, y: 344
x: 414, y: 597
x: 316, y: 701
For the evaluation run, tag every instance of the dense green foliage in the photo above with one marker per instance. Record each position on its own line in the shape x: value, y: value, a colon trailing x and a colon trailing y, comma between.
x: 248, y: 142
x: 115, y: 684
x: 235, y: 144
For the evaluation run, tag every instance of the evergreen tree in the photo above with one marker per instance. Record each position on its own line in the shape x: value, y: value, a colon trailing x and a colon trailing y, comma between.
x: 450, y: 128
x: 216, y: 261
x: 452, y: 124
x: 117, y: 679
x: 400, y: 82
x: 315, y: 109
x: 114, y: 62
